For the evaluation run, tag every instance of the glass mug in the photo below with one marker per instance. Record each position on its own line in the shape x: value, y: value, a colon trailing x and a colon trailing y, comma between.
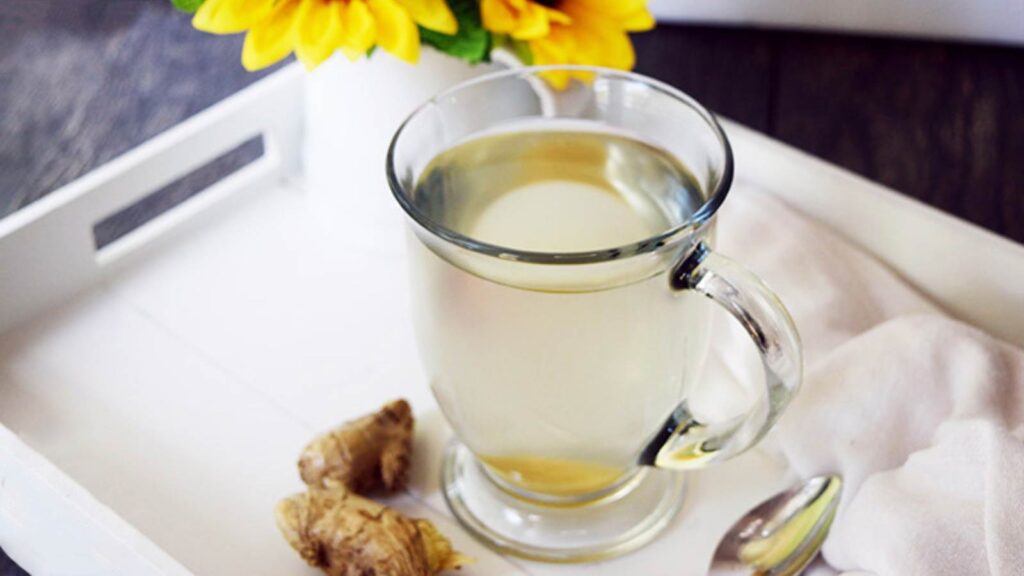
x: 565, y: 373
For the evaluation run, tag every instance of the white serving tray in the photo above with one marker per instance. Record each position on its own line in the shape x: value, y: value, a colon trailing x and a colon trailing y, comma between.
x: 154, y: 395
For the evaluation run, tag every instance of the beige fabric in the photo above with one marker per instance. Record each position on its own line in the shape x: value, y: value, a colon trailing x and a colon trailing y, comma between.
x: 921, y: 414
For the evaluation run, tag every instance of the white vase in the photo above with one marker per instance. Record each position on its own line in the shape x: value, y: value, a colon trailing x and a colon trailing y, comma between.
x: 353, y: 110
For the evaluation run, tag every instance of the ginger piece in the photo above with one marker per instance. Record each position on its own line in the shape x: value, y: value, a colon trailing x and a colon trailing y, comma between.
x: 347, y: 535
x: 363, y: 455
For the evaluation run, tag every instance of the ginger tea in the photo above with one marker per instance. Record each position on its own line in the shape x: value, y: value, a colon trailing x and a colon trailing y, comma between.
x: 555, y: 389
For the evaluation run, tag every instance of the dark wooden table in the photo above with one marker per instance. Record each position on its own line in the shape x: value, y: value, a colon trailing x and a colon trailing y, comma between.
x: 82, y: 81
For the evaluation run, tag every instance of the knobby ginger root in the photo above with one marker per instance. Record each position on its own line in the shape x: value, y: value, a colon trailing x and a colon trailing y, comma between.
x: 344, y: 534
x: 347, y: 535
x: 362, y: 455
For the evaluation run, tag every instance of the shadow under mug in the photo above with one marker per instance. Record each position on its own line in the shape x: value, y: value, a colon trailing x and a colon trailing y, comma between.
x: 566, y: 376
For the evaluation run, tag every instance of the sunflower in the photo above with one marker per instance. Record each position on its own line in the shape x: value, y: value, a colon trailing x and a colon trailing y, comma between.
x: 591, y: 32
x: 314, y: 29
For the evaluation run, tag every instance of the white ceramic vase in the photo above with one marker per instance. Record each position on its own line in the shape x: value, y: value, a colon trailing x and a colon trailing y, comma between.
x: 353, y: 110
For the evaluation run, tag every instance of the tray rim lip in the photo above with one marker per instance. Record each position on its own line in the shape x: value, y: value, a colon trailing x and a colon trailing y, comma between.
x: 103, y: 516
x: 92, y: 513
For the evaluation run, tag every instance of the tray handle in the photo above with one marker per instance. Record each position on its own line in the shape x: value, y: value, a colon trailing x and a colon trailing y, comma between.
x: 48, y: 251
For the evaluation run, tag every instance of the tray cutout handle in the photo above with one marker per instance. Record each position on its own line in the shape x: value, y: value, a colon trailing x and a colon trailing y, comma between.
x: 48, y: 250
x: 135, y: 224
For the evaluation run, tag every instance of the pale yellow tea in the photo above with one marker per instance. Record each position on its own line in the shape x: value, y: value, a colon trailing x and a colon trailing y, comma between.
x: 556, y: 390
x: 553, y: 476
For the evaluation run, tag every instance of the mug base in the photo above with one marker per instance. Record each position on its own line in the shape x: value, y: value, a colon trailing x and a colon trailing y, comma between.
x: 611, y: 526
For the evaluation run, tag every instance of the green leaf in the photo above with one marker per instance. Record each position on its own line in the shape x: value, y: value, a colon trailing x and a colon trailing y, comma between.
x: 189, y: 6
x: 471, y: 42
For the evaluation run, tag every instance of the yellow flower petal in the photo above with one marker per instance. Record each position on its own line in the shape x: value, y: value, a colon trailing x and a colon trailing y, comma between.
x: 630, y: 15
x: 558, y: 16
x: 532, y: 22
x: 618, y: 10
x: 270, y: 40
x: 360, y: 29
x: 497, y: 16
x: 599, y: 40
x: 318, y: 26
x: 352, y: 54
x: 553, y: 50
x: 432, y: 14
x: 617, y: 51
x: 230, y: 16
x: 559, y: 79
x: 521, y: 19
x: 638, y: 21
x: 598, y: 46
x: 396, y: 31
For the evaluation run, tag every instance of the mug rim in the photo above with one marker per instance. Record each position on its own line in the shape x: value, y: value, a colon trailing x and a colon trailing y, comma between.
x: 652, y: 243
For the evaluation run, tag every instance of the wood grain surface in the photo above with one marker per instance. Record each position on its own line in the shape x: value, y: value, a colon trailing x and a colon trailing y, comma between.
x: 942, y: 122
x: 82, y: 81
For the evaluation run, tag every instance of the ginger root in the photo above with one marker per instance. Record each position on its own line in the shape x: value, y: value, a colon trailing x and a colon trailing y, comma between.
x: 344, y: 534
x: 362, y: 455
x: 347, y: 535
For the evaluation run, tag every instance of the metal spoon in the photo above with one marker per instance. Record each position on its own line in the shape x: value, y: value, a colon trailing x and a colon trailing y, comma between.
x: 781, y: 535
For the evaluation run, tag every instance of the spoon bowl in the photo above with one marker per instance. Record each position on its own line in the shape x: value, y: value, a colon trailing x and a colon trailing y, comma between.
x: 781, y: 535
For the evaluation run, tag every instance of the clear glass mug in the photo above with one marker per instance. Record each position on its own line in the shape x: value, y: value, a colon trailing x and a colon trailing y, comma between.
x: 565, y: 376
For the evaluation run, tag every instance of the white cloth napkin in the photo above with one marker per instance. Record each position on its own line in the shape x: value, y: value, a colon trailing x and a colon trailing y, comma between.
x: 922, y: 415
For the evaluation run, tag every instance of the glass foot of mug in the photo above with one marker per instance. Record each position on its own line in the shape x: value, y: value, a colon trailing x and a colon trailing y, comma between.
x: 613, y: 525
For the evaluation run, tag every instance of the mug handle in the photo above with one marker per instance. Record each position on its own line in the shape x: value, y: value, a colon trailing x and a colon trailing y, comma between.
x: 685, y: 443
